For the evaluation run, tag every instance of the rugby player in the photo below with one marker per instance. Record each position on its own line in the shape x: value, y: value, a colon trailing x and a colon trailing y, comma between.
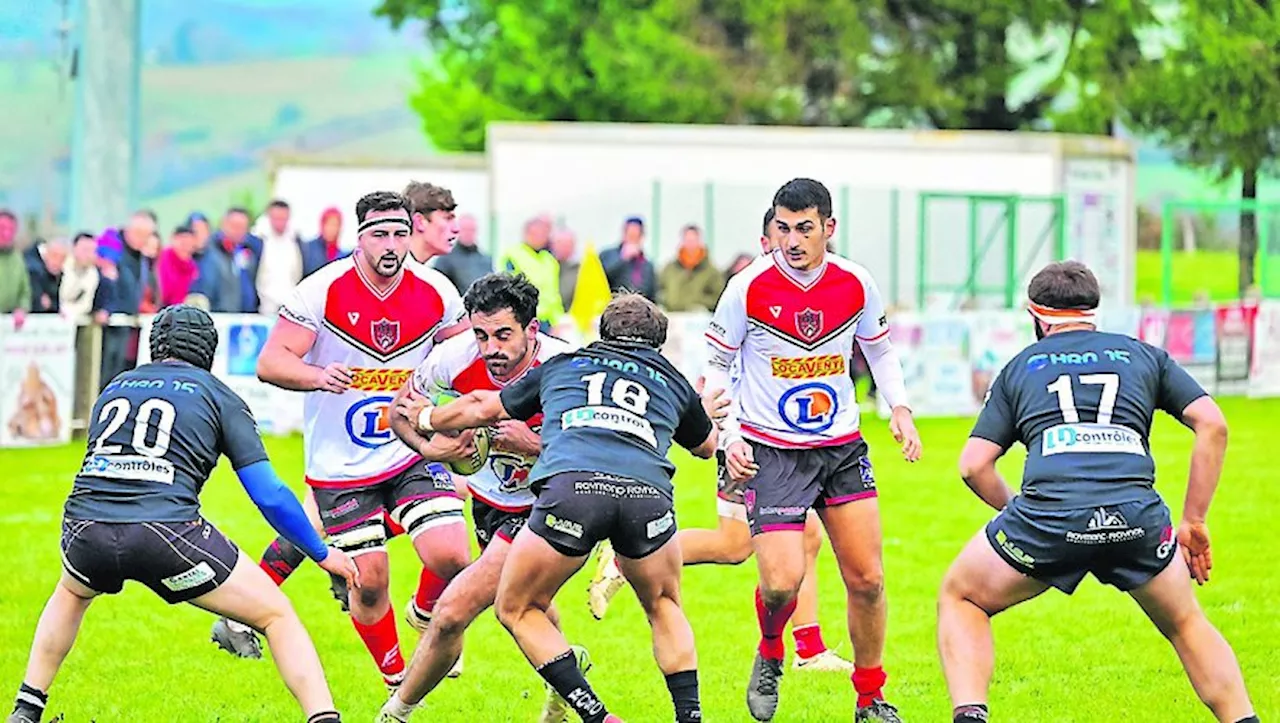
x: 1082, y: 401
x: 612, y: 410
x: 505, y: 344
x: 351, y: 335
x: 730, y: 544
x: 435, y: 228
x: 791, y: 319
x: 156, y: 433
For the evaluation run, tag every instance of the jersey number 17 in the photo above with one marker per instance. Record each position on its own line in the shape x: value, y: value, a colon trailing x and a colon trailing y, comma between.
x: 1062, y: 386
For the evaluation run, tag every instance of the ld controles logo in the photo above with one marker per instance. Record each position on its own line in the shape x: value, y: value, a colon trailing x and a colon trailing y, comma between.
x: 809, y: 407
x: 369, y: 421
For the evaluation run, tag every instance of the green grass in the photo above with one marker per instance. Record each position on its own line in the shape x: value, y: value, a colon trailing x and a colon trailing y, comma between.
x: 1202, y: 274
x: 1091, y: 657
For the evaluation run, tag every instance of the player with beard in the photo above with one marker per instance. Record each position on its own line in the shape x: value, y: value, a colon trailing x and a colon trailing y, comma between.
x: 351, y: 336
x: 504, y: 346
x: 730, y: 544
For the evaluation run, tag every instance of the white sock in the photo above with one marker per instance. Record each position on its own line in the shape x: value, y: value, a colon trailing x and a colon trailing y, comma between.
x: 398, y: 708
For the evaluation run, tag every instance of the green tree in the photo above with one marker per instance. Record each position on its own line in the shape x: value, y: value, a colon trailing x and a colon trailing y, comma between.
x: 1215, y: 98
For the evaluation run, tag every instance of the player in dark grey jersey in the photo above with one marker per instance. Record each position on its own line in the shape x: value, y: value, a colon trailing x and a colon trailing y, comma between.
x: 611, y: 411
x: 156, y: 433
x: 1082, y: 402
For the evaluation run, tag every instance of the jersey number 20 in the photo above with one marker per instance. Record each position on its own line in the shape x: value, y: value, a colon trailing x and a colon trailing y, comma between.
x: 631, y: 396
x: 118, y: 412
x: 1067, y: 400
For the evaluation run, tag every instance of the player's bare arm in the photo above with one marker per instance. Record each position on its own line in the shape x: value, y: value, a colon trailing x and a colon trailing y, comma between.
x: 516, y: 436
x: 1205, y: 418
x: 480, y: 408
x: 433, y: 447
x: 886, y: 368
x: 978, y: 470
x: 281, y: 362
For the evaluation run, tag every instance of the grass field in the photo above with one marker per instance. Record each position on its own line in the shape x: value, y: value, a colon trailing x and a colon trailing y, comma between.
x: 1091, y: 657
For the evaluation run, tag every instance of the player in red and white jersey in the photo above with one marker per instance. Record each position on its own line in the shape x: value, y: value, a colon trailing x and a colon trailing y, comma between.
x: 791, y: 319
x: 730, y: 544
x: 504, y: 346
x: 352, y: 335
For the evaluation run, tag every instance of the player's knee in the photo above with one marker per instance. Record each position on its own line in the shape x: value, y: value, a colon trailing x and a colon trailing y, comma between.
x: 451, y: 619
x: 509, y: 610
x: 777, y: 597
x: 447, y: 563
x: 865, y: 585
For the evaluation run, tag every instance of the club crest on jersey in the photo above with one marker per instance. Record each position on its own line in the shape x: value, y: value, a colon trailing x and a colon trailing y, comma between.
x: 808, y: 324
x: 386, y: 334
x: 809, y: 408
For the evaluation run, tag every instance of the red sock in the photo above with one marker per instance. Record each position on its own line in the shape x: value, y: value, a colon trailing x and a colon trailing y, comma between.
x: 430, y: 586
x: 868, y: 682
x: 772, y: 624
x: 383, y: 643
x: 808, y: 640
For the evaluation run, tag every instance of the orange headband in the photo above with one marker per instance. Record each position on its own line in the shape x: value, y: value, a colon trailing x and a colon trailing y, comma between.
x: 1052, y: 316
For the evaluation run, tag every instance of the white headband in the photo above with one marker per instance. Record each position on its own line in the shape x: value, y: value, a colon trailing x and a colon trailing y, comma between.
x: 1052, y: 316
x: 393, y: 220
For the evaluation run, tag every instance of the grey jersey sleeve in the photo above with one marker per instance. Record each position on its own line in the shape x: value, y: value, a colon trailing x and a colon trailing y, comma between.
x: 523, y: 400
x: 239, y: 441
x: 997, y: 422
x: 1177, y: 388
x: 694, y: 424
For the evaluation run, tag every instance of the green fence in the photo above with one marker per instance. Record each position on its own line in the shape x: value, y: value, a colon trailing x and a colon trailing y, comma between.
x: 1207, y: 266
x: 975, y: 249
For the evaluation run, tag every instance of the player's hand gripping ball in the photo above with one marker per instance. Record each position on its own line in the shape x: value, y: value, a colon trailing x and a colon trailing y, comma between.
x: 479, y: 439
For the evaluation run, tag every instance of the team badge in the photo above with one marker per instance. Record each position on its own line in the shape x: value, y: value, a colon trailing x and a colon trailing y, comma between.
x: 809, y: 324
x: 386, y: 334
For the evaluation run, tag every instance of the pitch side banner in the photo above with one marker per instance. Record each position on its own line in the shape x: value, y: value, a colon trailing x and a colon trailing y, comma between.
x: 37, y: 380
x: 240, y: 341
x: 1264, y: 368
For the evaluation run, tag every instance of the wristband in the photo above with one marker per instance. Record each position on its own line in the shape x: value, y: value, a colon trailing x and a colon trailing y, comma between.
x: 424, y: 419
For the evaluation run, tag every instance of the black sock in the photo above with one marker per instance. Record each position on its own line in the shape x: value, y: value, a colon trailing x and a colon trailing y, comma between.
x: 562, y: 674
x: 1250, y: 719
x: 325, y: 716
x: 684, y: 694
x: 971, y: 713
x: 281, y: 558
x: 30, y: 702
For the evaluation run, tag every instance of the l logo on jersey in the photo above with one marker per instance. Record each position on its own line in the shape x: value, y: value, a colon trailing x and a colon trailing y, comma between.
x: 809, y: 324
x: 809, y: 408
x: 386, y: 334
x: 369, y: 421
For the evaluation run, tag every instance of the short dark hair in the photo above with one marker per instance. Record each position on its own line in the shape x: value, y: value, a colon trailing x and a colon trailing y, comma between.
x: 279, y: 203
x: 149, y: 213
x: 6, y: 213
x: 182, y: 229
x: 768, y: 221
x: 82, y: 235
x: 799, y: 194
x: 634, y: 219
x: 492, y: 293
x: 691, y: 227
x: 381, y: 201
x: 241, y: 210
x: 1065, y: 285
x: 633, y: 318
x: 425, y: 198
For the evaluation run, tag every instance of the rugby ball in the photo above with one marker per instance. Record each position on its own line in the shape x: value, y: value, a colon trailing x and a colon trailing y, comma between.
x: 480, y: 438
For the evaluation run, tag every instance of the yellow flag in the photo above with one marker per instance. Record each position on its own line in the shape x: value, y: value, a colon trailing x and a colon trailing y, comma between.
x: 591, y: 293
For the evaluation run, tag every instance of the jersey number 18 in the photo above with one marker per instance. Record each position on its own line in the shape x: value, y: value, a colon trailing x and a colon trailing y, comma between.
x: 625, y: 393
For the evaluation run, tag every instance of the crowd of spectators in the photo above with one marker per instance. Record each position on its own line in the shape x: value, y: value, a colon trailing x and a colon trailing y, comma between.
x: 236, y: 264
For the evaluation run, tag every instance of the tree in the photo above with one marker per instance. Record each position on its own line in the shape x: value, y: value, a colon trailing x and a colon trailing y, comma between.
x: 1214, y: 97
x: 595, y: 60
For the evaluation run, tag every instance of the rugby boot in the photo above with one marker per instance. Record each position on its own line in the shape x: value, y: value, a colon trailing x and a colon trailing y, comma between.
x: 880, y: 711
x: 825, y: 662
x: 762, y: 690
x: 237, y: 639
x: 419, y: 619
x: 606, y: 583
x: 557, y: 709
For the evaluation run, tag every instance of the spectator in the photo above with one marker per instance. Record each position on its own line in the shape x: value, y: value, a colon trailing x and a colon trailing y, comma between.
x: 150, y: 302
x: 81, y: 295
x: 199, y: 226
x: 466, y: 262
x: 563, y: 245
x: 691, y: 282
x: 534, y: 260
x: 626, y: 266
x: 15, y: 283
x: 229, y: 266
x: 280, y: 264
x: 323, y: 248
x: 119, y: 342
x: 44, y: 263
x: 176, y: 269
x: 740, y: 262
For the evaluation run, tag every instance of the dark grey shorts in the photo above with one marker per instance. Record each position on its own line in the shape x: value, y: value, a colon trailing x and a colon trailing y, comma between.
x: 575, y: 510
x: 1122, y: 545
x: 791, y: 481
